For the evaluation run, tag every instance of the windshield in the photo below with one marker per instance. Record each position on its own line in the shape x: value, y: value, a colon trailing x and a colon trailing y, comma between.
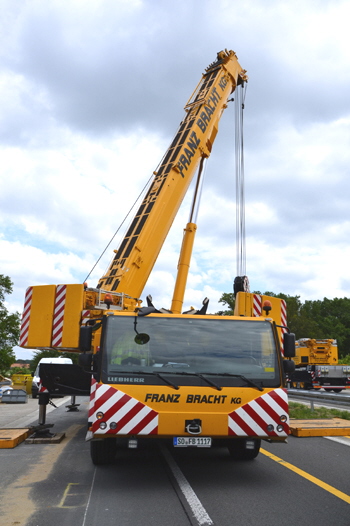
x: 155, y: 347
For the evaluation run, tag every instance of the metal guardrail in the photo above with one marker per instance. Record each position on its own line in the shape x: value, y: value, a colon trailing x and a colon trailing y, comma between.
x: 320, y: 397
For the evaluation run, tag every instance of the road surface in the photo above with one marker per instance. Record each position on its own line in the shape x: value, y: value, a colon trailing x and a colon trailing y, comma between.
x: 305, y: 482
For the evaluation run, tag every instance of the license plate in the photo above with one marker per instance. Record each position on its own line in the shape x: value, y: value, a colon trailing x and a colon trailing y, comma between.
x: 192, y: 441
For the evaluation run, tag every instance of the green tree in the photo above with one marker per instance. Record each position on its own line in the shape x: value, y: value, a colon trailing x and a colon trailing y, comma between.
x: 9, y: 327
x: 227, y: 299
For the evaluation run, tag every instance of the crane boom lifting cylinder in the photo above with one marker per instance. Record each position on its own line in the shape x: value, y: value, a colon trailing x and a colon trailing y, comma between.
x: 139, y: 250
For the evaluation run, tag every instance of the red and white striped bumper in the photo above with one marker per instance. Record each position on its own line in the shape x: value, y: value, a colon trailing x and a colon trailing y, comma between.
x: 266, y: 416
x: 122, y: 414
x: 113, y: 412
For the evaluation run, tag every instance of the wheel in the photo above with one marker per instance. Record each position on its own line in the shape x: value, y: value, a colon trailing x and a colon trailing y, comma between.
x: 103, y: 451
x: 337, y: 390
x: 238, y: 448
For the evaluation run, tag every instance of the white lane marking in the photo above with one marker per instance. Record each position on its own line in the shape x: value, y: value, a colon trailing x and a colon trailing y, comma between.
x: 89, y: 499
x: 195, y: 504
x: 342, y: 440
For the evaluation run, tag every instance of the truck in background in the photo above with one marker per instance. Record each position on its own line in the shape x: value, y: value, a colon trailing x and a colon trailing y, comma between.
x: 316, y: 366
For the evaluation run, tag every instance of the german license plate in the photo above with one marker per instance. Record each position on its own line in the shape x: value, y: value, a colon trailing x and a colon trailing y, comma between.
x: 192, y: 441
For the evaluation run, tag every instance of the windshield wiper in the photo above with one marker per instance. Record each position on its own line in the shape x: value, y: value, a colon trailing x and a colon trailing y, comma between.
x: 158, y: 375
x: 249, y: 382
x: 213, y: 384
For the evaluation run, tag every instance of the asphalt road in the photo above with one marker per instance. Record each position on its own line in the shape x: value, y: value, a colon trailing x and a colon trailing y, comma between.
x: 304, y: 482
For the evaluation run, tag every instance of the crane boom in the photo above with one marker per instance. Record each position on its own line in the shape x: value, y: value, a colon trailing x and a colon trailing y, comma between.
x: 135, y: 258
x: 53, y: 314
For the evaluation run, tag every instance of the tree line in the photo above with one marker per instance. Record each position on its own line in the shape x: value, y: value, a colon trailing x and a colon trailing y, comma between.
x: 319, y: 319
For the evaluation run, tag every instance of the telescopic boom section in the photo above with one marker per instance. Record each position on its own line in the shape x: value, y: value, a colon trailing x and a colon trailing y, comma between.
x: 137, y: 254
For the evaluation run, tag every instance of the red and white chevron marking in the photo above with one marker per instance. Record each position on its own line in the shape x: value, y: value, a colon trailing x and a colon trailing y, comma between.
x: 257, y: 305
x: 57, y: 325
x: 283, y: 312
x: 252, y: 418
x: 23, y: 340
x: 131, y: 416
x: 283, y: 321
x: 85, y: 316
x: 93, y: 388
x: 41, y: 388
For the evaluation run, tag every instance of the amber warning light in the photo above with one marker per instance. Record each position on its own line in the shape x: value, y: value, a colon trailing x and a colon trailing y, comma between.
x: 108, y: 300
x: 267, y: 306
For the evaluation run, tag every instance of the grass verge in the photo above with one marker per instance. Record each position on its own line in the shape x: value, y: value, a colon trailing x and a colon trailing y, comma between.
x: 301, y: 411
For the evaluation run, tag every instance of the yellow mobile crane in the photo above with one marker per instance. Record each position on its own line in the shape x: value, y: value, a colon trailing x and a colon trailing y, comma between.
x: 192, y: 377
x: 317, y: 367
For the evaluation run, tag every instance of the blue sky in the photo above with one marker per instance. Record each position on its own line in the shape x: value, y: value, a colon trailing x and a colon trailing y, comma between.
x: 92, y: 94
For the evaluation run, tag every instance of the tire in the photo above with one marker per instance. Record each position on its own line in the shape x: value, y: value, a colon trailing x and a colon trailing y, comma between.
x: 238, y: 451
x: 103, y: 451
x: 339, y: 390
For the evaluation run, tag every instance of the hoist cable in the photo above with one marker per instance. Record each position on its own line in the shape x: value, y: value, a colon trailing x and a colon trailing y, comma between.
x: 240, y: 186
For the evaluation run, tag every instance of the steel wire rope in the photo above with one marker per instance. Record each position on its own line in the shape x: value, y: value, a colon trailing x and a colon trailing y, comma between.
x: 240, y: 184
x: 121, y: 224
x: 133, y: 206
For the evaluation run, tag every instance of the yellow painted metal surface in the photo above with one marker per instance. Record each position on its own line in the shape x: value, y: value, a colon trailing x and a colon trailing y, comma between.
x: 183, y: 267
x: 72, y: 316
x: 10, y: 438
x: 139, y: 250
x: 41, y: 315
x: 320, y: 427
x: 212, y: 407
x: 244, y: 306
x: 310, y: 351
x: 52, y: 318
